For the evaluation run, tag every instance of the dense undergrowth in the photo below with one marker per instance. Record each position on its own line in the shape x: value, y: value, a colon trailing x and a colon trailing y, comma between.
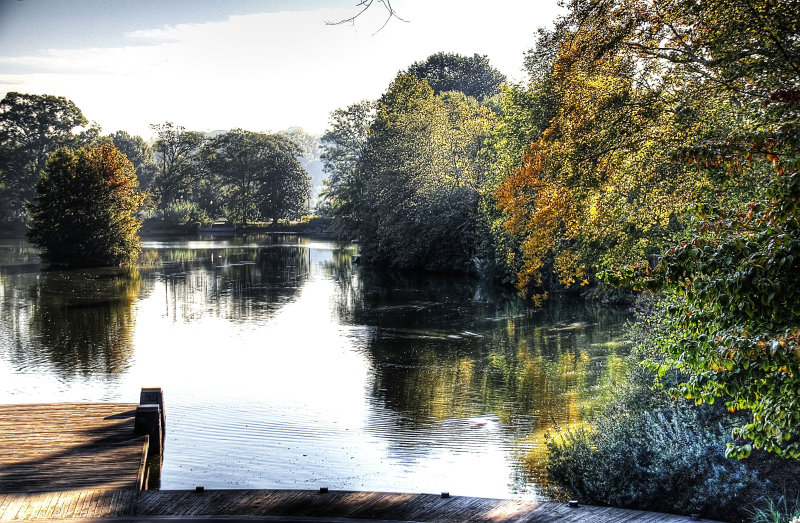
x: 647, y: 450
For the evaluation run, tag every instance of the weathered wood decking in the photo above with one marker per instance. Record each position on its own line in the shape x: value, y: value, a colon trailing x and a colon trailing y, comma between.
x: 61, y: 446
x: 303, y: 505
x: 68, y: 461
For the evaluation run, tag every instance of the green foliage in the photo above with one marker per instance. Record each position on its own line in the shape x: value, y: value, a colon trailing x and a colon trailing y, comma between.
x: 31, y: 128
x: 140, y: 154
x: 473, y: 76
x: 86, y: 206
x: 782, y: 510
x: 259, y: 174
x: 522, y: 113
x: 734, y: 324
x: 183, y: 214
x: 179, y: 175
x: 344, y: 147
x: 645, y: 449
x: 406, y: 183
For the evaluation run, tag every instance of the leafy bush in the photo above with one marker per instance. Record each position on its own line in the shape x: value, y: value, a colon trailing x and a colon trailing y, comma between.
x: 667, y: 460
x: 648, y: 451
x: 181, y: 214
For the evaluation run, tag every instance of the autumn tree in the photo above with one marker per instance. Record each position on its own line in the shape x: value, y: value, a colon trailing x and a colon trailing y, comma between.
x: 31, y: 128
x: 734, y: 324
x: 599, y: 189
x: 86, y: 205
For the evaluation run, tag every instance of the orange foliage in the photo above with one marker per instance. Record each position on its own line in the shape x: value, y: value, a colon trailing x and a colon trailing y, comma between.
x: 538, y: 210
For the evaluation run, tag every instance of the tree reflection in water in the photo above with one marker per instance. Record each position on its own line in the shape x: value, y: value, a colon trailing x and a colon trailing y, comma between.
x: 235, y: 283
x: 447, y: 348
x: 83, y: 321
x: 344, y: 374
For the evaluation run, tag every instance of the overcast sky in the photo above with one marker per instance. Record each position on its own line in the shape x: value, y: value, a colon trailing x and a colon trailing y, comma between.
x: 261, y: 65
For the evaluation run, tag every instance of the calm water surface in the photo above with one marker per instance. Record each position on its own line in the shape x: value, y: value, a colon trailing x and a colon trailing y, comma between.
x: 285, y: 366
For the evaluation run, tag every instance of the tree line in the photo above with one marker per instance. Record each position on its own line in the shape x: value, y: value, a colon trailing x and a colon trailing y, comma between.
x: 186, y: 176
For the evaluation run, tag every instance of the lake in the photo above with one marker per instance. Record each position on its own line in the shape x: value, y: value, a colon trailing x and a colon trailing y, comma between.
x: 286, y: 366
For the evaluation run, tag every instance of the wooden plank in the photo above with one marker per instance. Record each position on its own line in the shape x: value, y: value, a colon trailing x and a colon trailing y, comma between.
x: 338, y: 506
x: 65, y: 447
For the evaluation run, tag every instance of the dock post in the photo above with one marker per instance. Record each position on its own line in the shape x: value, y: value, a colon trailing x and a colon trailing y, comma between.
x: 151, y: 420
x: 148, y: 421
x: 151, y: 395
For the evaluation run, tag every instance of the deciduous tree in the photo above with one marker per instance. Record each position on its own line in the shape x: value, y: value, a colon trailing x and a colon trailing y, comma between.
x: 260, y: 175
x: 471, y: 75
x: 408, y: 187
x: 140, y: 153
x: 734, y: 324
x: 31, y: 127
x: 178, y: 176
x: 85, y: 211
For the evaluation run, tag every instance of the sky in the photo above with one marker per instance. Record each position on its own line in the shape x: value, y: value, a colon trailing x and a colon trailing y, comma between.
x: 260, y: 65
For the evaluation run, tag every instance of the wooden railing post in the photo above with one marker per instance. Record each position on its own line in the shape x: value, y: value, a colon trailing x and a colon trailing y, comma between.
x: 154, y: 395
x: 151, y: 421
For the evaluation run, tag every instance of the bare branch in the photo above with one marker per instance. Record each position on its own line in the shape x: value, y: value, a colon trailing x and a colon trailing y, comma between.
x: 366, y: 4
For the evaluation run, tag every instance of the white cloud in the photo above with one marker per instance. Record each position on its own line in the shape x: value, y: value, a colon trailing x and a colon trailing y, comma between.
x: 270, y: 70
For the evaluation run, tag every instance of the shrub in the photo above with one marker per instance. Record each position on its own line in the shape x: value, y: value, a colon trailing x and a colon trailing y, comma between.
x: 782, y: 510
x: 667, y: 460
x: 180, y: 214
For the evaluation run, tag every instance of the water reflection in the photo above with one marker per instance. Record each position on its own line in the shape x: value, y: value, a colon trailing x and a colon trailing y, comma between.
x: 457, y: 360
x: 83, y: 321
x: 73, y: 322
x: 286, y: 366
x: 235, y: 282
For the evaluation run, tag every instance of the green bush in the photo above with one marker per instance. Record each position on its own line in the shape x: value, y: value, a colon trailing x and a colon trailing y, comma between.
x: 649, y: 451
x: 180, y: 214
x: 669, y: 460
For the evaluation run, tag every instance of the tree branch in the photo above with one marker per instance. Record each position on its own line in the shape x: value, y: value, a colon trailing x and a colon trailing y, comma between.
x: 366, y: 4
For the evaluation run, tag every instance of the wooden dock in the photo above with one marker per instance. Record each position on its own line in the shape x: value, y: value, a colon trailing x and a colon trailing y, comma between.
x: 304, y: 505
x: 84, y: 461
x: 62, y: 446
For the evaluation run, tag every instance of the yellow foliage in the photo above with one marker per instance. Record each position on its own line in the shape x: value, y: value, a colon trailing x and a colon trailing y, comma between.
x: 598, y: 189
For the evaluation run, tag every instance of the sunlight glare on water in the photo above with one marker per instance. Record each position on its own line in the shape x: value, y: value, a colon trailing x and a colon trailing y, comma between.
x: 285, y: 366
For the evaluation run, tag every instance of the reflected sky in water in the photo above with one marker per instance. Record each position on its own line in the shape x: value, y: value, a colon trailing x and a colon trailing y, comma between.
x: 285, y: 366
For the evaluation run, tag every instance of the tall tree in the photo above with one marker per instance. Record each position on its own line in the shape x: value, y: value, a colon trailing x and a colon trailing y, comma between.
x: 260, y: 174
x: 286, y: 193
x: 599, y: 189
x: 734, y: 324
x: 31, y: 127
x: 85, y: 211
x: 178, y: 174
x: 471, y: 75
x: 140, y: 154
x: 310, y: 156
x: 345, y: 144
x: 408, y: 186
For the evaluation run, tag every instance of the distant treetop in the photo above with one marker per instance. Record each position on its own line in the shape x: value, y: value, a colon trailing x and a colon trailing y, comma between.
x: 473, y: 76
